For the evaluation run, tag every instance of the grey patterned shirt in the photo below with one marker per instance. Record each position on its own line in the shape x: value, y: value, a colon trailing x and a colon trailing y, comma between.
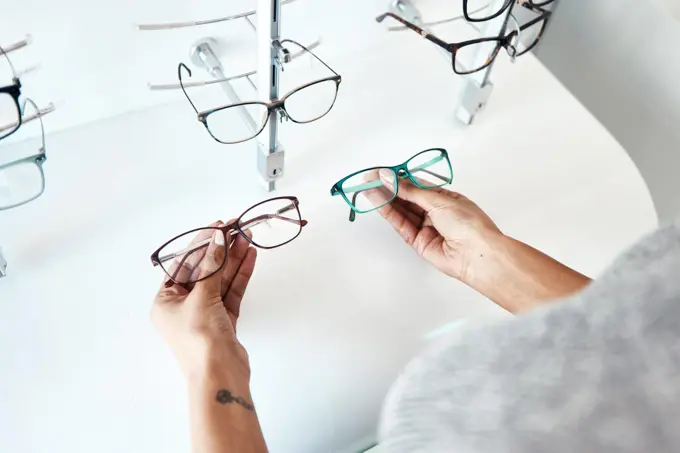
x: 599, y: 372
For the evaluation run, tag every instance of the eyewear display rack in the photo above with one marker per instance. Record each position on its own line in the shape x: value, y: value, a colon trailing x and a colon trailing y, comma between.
x: 478, y: 87
x: 271, y: 58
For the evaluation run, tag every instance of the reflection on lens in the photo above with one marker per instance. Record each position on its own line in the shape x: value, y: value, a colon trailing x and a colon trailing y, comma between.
x: 366, y: 191
x: 9, y: 115
x: 184, y: 259
x: 312, y: 102
x: 431, y: 169
x: 20, y: 183
x: 227, y: 125
x: 484, y: 9
x: 474, y: 57
x: 272, y: 223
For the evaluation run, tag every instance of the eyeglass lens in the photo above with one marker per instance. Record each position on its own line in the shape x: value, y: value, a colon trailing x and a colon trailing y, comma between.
x: 473, y: 57
x: 311, y: 102
x: 479, y: 10
x: 226, y: 125
x: 430, y: 169
x: 529, y: 37
x: 20, y: 183
x: 366, y: 192
x: 272, y: 223
x: 9, y: 114
x: 183, y: 259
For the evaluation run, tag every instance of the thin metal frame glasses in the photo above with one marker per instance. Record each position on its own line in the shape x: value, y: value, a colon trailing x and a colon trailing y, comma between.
x: 25, y: 166
x: 268, y: 107
x: 185, y: 268
x: 433, y: 162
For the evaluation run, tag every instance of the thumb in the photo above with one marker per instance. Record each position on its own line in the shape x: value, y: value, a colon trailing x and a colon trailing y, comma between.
x: 428, y: 199
x: 212, y: 262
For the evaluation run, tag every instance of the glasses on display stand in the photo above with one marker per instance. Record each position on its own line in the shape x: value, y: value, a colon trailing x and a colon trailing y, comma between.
x: 468, y: 57
x: 23, y: 180
x: 484, y: 10
x: 10, y: 112
x: 304, y: 104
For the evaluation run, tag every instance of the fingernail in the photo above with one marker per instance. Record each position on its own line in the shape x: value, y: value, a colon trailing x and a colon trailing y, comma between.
x: 387, y: 177
x: 218, y: 238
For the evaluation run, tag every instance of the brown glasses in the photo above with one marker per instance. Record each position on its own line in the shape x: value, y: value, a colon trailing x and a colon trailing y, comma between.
x: 271, y: 223
x: 468, y: 57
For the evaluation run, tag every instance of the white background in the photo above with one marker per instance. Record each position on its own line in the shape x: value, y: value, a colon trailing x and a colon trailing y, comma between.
x: 329, y: 319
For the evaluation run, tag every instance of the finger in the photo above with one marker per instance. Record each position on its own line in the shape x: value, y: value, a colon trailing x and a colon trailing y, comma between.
x: 236, y: 254
x: 170, y: 293
x: 237, y: 289
x: 427, y: 199
x: 373, y: 194
x: 414, y: 213
x: 401, y: 222
x: 211, y: 263
x: 183, y: 267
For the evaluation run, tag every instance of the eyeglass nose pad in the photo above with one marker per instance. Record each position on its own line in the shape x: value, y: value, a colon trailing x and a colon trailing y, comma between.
x: 283, y: 115
x: 512, y: 52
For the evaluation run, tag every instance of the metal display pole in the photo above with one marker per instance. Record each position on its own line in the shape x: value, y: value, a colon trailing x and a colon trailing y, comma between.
x: 270, y: 153
x: 271, y: 57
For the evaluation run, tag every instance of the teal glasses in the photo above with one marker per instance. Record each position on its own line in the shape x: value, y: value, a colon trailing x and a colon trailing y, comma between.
x: 364, y: 190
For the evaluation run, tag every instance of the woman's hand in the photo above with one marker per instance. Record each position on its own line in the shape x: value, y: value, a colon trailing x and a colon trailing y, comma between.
x: 443, y: 227
x: 459, y: 239
x: 199, y: 322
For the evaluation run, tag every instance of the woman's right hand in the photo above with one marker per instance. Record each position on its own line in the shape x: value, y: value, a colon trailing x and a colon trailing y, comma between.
x: 443, y: 227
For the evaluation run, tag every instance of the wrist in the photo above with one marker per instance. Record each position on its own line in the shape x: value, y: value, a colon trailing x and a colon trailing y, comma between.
x: 483, y: 252
x: 221, y: 360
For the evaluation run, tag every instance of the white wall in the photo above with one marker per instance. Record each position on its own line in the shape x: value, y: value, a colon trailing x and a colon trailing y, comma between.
x: 620, y: 58
x: 329, y: 319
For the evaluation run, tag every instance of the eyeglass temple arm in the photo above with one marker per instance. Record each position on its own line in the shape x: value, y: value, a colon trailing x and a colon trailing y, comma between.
x: 308, y: 50
x: 245, y: 227
x: 246, y: 75
x: 179, y: 76
x: 417, y: 29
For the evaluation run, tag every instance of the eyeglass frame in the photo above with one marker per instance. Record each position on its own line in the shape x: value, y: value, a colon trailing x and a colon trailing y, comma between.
x: 13, y: 90
x: 543, y: 15
x: 278, y: 104
x: 507, y: 4
x: 37, y: 159
x: 406, y: 173
x: 229, y: 230
x: 453, y: 48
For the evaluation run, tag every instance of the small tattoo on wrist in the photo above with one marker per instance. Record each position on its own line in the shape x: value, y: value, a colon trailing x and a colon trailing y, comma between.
x: 225, y: 397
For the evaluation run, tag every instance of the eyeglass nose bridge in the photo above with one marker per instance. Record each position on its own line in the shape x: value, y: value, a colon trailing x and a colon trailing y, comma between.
x: 278, y: 105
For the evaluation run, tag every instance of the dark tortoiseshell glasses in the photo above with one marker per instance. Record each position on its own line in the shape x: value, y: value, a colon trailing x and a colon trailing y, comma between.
x: 471, y: 56
x: 270, y: 224
x: 483, y: 10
